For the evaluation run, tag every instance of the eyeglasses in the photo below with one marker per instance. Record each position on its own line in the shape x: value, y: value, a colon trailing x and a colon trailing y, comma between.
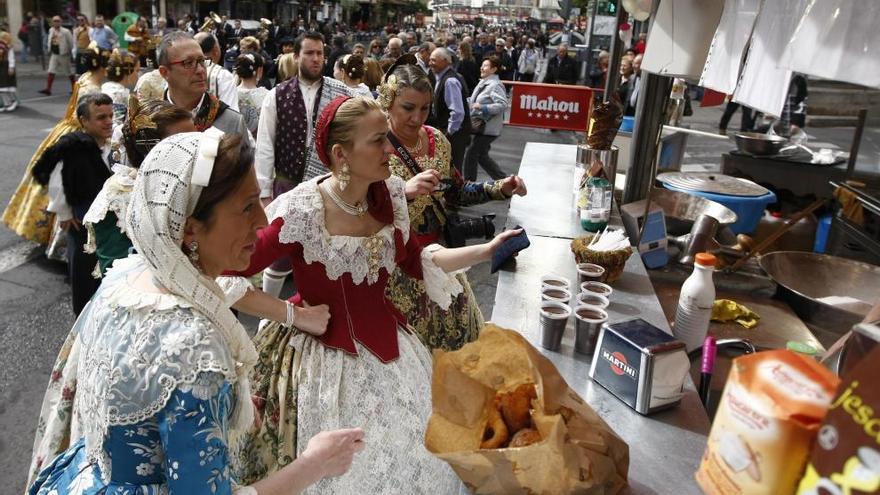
x: 191, y: 63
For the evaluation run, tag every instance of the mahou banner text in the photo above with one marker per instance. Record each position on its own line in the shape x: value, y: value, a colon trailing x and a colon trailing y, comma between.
x: 550, y: 106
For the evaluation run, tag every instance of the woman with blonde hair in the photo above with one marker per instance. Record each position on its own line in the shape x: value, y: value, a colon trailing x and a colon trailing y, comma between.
x: 346, y: 232
x: 287, y: 67
x: 422, y: 159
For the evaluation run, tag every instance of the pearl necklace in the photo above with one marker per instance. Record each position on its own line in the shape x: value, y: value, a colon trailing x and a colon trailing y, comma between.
x: 357, y: 210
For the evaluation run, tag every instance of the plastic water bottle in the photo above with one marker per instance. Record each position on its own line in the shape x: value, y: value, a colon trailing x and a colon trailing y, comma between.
x: 695, y: 303
x: 595, y: 204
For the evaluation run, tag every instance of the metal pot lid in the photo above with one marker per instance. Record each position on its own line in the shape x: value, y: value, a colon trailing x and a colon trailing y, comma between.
x: 712, y: 183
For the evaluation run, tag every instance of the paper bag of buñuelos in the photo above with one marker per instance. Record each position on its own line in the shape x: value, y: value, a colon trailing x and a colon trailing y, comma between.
x: 578, y: 454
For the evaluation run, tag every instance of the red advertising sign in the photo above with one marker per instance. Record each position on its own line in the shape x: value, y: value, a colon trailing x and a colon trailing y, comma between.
x: 550, y: 106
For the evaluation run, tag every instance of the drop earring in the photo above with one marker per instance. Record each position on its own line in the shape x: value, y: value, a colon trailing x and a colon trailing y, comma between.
x: 344, y: 177
x: 193, y: 252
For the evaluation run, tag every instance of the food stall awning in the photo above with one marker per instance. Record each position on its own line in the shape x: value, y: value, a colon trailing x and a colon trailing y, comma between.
x: 750, y: 48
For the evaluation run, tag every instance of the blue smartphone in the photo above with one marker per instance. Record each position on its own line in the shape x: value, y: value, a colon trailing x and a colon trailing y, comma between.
x: 510, y: 247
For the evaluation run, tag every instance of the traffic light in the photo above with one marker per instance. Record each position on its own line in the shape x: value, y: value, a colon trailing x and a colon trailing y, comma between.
x: 607, y: 7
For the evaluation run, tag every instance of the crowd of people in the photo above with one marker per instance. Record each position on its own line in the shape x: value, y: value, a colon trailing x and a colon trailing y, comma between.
x: 172, y: 180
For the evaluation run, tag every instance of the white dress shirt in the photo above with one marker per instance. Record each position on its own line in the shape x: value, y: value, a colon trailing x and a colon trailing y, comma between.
x: 221, y: 82
x: 265, y: 153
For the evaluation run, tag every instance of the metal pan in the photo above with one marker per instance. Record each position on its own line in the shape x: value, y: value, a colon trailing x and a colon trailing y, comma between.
x: 802, y: 278
x: 755, y: 143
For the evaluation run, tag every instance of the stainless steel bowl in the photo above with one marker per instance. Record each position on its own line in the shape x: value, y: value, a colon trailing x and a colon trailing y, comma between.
x: 682, y: 210
x: 804, y: 278
x: 756, y: 143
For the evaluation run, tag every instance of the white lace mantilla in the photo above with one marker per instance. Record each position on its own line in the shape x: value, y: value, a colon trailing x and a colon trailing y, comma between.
x: 303, y: 212
x: 114, y: 196
x: 142, y: 346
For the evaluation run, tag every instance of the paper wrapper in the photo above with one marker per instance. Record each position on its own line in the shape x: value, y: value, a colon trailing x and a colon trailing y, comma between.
x: 577, y: 455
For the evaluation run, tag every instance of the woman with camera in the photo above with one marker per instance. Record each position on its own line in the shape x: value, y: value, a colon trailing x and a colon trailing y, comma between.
x: 433, y: 190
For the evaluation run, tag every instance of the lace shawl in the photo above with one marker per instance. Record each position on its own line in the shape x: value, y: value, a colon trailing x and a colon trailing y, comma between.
x: 162, y: 198
x: 114, y: 196
x: 141, y: 347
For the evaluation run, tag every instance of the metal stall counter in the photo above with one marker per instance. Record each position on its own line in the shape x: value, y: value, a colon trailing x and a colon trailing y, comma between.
x: 665, y: 447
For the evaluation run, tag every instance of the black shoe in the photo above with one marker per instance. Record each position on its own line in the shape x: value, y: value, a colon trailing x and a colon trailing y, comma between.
x: 45, y: 92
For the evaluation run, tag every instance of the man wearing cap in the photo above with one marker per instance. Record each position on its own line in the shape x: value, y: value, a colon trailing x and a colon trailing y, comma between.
x: 285, y: 154
x: 183, y: 66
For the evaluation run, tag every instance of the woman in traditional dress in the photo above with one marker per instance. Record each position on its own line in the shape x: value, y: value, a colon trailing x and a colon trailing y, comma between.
x: 249, y: 69
x: 350, y: 69
x: 421, y: 157
x: 148, y: 124
x: 122, y: 74
x: 8, y: 88
x: 163, y: 390
x: 26, y: 214
x: 345, y: 233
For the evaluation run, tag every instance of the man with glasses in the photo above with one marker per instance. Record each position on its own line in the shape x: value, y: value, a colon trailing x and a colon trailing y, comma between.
x: 60, y: 45
x: 183, y: 66
x: 81, y: 39
x: 284, y: 154
x: 103, y: 35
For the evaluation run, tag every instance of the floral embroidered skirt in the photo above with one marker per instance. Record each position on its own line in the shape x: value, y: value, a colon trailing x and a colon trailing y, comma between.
x: 306, y: 388
x: 271, y: 445
x: 437, y: 328
x: 56, y: 427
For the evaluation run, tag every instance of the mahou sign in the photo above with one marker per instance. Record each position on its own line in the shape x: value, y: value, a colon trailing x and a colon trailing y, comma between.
x: 550, y: 106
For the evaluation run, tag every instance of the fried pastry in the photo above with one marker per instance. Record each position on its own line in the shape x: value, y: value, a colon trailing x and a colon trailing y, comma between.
x: 524, y: 437
x: 516, y: 406
x: 495, y: 435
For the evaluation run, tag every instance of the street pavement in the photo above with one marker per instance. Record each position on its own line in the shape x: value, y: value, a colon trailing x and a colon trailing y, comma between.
x: 35, y: 310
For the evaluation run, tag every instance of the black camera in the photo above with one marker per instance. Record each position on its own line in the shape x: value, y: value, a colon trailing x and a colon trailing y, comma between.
x: 459, y: 229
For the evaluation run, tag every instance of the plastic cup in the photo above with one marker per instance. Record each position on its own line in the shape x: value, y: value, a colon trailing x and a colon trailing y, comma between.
x: 555, y: 294
x: 597, y: 288
x: 554, y: 316
x: 592, y: 299
x: 555, y: 281
x: 588, y: 321
x: 589, y: 272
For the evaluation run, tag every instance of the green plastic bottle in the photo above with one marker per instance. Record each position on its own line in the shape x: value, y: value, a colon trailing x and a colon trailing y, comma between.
x: 594, y: 204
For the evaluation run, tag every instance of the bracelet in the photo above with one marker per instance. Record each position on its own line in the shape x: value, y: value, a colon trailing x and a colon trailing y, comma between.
x: 291, y: 315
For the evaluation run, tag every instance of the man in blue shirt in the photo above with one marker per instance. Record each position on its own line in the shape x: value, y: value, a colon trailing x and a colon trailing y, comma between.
x: 449, y: 112
x: 103, y: 35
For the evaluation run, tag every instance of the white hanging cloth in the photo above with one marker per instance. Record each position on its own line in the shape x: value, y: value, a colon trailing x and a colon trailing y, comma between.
x: 724, y: 60
x: 680, y: 36
x: 764, y: 82
x: 839, y: 40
